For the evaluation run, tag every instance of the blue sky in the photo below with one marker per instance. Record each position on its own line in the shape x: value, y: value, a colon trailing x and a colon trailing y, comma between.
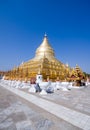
x: 24, y: 22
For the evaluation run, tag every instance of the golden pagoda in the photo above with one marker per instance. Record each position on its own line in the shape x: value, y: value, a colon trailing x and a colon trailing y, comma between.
x: 43, y: 63
x: 77, y: 74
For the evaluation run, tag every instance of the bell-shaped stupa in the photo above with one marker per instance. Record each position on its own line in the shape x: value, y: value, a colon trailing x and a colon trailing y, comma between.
x: 44, y: 63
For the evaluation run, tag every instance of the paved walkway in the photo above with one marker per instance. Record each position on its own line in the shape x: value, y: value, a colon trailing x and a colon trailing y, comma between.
x: 76, y: 118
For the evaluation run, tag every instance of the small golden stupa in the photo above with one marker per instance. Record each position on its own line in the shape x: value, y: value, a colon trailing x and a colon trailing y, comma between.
x: 76, y: 74
x: 43, y: 63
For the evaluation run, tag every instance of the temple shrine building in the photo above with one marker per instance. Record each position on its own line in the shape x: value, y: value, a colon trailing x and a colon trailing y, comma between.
x: 44, y: 63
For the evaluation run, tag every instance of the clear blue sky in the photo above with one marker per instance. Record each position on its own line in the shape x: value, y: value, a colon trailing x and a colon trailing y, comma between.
x: 24, y: 22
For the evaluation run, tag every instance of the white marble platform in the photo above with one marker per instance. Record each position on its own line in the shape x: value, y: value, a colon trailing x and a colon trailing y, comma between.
x: 76, y: 118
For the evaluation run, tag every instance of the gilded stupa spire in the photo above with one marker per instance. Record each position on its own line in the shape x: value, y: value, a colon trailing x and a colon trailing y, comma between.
x: 44, y: 48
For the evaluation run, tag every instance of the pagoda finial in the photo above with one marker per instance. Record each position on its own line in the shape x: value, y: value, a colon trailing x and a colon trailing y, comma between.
x: 45, y: 35
x: 77, y: 66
